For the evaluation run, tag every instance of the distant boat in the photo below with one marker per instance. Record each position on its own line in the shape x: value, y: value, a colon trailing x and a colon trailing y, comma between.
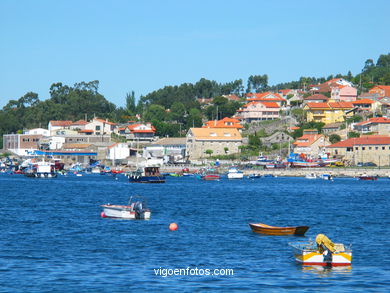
x: 41, y: 170
x: 211, y: 177
x: 366, y: 177
x: 135, y: 209
x: 311, y: 176
x: 254, y: 176
x: 234, y: 173
x: 326, y: 177
x: 271, y: 230
x: 147, y: 175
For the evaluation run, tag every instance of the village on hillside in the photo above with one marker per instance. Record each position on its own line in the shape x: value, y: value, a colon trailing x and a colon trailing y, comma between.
x: 349, y: 130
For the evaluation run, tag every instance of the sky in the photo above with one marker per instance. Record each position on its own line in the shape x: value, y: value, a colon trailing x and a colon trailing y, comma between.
x: 142, y: 46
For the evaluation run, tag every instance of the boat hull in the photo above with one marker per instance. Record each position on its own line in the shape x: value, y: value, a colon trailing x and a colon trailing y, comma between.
x: 211, y: 177
x: 278, y: 231
x: 147, y: 179
x: 235, y: 175
x: 315, y: 258
x: 368, y: 178
x: 124, y: 212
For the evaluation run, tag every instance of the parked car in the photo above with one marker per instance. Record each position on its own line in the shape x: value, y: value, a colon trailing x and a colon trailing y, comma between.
x: 367, y: 164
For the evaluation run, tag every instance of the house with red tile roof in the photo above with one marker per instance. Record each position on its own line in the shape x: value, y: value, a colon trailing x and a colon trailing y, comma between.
x: 377, y: 125
x: 366, y: 105
x: 381, y: 90
x: 224, y: 123
x: 311, y: 144
x: 266, y: 97
x: 330, y: 112
x: 342, y: 93
x: 78, y: 125
x: 364, y: 149
x: 258, y: 111
x: 55, y: 125
x: 100, y: 126
x: 140, y: 132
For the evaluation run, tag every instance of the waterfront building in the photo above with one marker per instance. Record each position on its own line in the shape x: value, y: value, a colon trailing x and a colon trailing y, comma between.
x: 377, y: 125
x: 311, y: 143
x: 363, y: 150
x: 220, y: 141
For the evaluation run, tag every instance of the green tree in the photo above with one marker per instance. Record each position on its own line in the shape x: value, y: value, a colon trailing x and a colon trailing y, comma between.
x: 352, y: 134
x: 333, y: 138
x: 130, y: 102
x: 155, y: 112
x: 209, y: 152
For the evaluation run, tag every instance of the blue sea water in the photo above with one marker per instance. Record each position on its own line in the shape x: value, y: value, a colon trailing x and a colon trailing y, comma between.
x: 54, y: 240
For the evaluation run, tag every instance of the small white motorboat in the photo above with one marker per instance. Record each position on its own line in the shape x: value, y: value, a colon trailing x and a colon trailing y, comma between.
x: 135, y: 209
x: 311, y: 176
x: 234, y: 173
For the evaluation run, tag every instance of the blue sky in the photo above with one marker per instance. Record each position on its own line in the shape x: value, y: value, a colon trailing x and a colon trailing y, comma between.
x: 146, y: 45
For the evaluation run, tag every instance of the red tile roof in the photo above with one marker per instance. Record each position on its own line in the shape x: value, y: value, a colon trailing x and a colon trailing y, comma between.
x: 364, y: 140
x: 86, y: 131
x: 222, y: 123
x: 133, y: 129
x: 341, y: 105
x: 363, y: 101
x: 374, y: 120
x: 60, y: 122
x: 80, y: 122
x: 386, y: 89
x: 270, y: 104
x: 318, y: 105
x: 317, y: 97
x: 105, y: 121
x: 264, y: 97
x: 307, y: 140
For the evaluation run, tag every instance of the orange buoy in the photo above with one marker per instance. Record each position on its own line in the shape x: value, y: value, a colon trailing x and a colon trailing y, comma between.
x: 173, y: 226
x: 102, y: 214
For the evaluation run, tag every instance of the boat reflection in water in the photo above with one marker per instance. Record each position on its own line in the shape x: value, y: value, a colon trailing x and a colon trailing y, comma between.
x: 325, y: 271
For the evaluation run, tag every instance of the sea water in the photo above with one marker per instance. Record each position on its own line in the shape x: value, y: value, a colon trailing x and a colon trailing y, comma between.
x: 54, y: 240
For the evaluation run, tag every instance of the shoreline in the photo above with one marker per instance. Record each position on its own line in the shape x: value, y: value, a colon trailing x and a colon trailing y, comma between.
x: 299, y: 172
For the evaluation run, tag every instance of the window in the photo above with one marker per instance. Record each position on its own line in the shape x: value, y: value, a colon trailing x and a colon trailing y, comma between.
x: 376, y: 148
x: 97, y: 127
x: 369, y: 148
x: 356, y: 148
x: 363, y: 148
x: 383, y: 148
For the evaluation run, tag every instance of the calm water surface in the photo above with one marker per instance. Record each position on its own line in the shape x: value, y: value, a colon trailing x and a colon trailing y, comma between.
x: 53, y: 239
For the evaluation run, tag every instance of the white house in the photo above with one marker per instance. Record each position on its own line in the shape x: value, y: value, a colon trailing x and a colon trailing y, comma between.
x: 39, y: 131
x: 118, y: 151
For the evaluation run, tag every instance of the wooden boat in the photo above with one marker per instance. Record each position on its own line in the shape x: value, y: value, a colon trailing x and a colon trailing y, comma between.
x: 322, y: 253
x: 271, y: 230
x: 135, y: 209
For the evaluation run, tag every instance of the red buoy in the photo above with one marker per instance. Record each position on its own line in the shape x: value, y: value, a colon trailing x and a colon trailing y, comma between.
x: 173, y: 226
x: 102, y: 214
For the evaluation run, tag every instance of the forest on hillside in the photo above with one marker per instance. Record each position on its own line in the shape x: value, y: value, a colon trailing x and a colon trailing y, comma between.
x: 172, y: 109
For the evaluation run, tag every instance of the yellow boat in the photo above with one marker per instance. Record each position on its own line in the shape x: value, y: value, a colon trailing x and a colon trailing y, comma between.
x: 322, y: 253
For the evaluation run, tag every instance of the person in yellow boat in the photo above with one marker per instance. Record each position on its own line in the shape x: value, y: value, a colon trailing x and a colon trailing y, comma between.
x: 324, y: 243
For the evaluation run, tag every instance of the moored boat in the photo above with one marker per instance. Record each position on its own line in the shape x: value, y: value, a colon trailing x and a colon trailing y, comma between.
x: 367, y: 177
x: 147, y: 175
x: 234, y: 173
x: 311, y: 176
x: 211, y: 177
x: 322, y: 253
x: 135, y: 209
x: 272, y: 230
x: 41, y: 170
